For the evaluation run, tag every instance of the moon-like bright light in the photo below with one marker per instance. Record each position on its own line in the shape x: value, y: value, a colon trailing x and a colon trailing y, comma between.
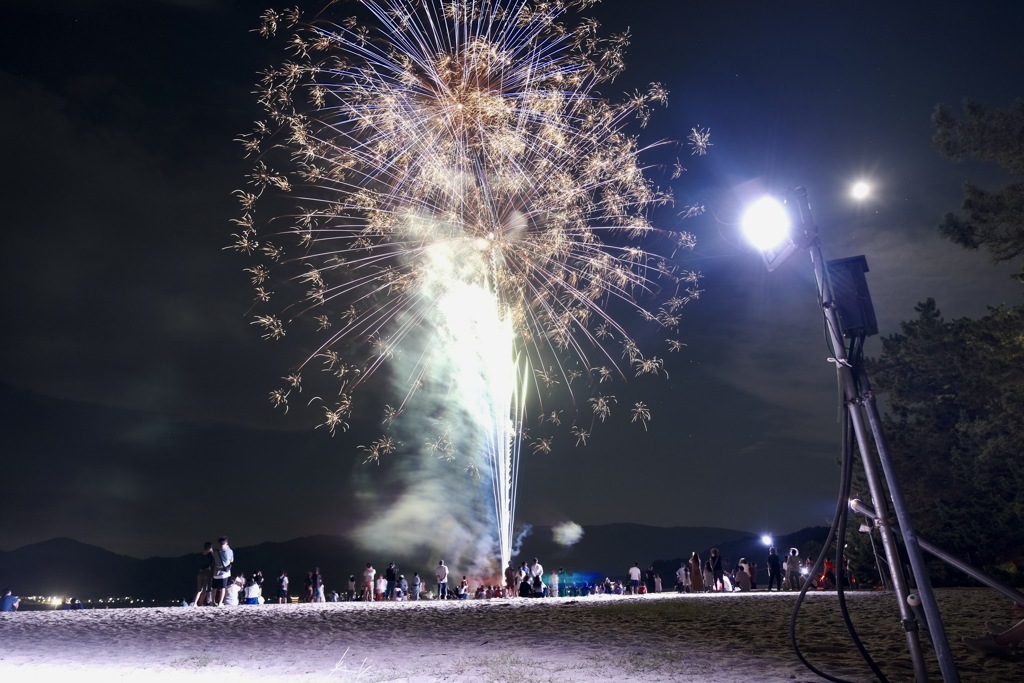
x: 860, y: 190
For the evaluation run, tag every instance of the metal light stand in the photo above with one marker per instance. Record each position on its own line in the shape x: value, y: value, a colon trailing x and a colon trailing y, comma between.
x: 860, y: 404
x: 874, y: 553
x: 1012, y: 593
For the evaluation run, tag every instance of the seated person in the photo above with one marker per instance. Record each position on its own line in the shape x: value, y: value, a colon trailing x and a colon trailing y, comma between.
x: 8, y: 602
x: 742, y: 580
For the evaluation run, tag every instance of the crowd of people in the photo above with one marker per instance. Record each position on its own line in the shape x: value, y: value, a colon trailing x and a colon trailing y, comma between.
x: 217, y: 584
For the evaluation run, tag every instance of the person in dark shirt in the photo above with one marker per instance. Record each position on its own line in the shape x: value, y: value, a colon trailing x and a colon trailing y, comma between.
x: 204, y: 578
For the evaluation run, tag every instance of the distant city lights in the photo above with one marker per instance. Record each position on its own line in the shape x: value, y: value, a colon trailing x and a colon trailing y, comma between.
x: 58, y: 601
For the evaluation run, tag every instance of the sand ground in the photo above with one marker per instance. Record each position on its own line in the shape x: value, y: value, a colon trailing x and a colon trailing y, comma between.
x: 665, y: 637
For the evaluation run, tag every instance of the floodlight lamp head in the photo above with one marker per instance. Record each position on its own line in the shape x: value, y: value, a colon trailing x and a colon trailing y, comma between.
x: 768, y: 226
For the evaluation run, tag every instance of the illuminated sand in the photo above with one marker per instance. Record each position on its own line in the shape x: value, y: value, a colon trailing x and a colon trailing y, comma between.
x: 648, y: 638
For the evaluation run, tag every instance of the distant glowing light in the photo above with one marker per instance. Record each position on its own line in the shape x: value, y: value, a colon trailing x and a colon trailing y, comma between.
x: 766, y: 539
x: 860, y: 190
x: 567, y: 533
x: 766, y: 224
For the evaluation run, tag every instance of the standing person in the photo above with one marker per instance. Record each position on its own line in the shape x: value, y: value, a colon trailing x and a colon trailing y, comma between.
x: 318, y: 586
x: 223, y: 558
x: 8, y: 602
x: 828, y: 577
x: 774, y: 568
x: 204, y: 578
x: 379, y: 589
x: 537, y: 577
x: 391, y: 577
x: 442, y: 581
x: 717, y: 570
x: 649, y: 579
x: 511, y: 579
x: 309, y: 587
x: 681, y: 577
x: 282, y: 588
x: 553, y: 582
x: 657, y: 582
x: 634, y: 579
x: 696, y: 579
x: 368, y: 575
x: 793, y: 569
x: 417, y: 585
x: 350, y: 594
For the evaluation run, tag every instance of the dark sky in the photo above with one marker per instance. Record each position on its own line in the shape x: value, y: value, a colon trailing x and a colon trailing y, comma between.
x: 133, y: 388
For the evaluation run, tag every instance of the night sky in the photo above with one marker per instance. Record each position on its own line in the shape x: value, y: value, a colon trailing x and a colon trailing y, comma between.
x: 133, y: 390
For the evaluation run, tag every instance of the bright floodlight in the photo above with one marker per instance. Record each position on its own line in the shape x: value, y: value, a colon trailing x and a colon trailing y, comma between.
x: 860, y: 190
x: 766, y: 539
x: 766, y: 224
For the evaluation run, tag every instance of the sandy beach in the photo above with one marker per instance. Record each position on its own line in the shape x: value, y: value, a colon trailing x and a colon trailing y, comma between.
x: 664, y: 637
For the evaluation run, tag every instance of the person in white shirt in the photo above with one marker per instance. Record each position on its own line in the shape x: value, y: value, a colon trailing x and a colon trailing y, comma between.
x: 537, y: 577
x: 681, y: 578
x: 793, y: 569
x: 368, y: 575
x: 442, y: 581
x: 634, y: 579
x: 231, y: 592
x: 223, y: 558
x: 253, y: 592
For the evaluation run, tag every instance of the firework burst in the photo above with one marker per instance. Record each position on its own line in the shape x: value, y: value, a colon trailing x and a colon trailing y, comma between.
x: 468, y: 210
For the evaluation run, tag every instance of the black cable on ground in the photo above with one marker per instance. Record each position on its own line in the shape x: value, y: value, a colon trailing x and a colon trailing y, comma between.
x: 840, y: 546
x: 838, y: 528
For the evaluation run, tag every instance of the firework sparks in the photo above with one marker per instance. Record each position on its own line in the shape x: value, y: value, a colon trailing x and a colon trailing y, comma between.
x: 700, y: 140
x: 458, y: 184
x: 641, y: 413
